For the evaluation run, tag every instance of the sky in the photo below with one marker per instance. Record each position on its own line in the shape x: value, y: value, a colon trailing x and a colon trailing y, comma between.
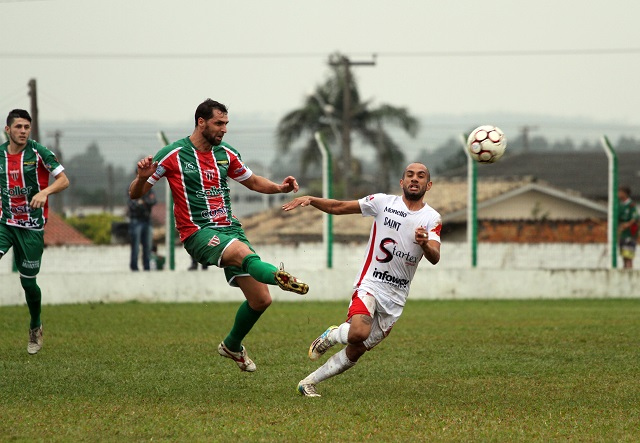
x: 154, y: 61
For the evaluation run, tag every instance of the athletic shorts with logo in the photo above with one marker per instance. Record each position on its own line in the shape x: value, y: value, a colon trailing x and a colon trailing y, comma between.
x: 384, y: 316
x: 28, y: 245
x: 208, y: 244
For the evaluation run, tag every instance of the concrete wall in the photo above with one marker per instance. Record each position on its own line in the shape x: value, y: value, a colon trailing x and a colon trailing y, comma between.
x: 508, y: 271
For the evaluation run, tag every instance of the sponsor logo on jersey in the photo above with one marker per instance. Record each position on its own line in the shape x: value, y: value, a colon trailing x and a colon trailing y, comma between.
x: 213, y: 213
x: 16, y: 191
x: 389, y: 250
x: 215, y: 241
x: 369, y: 198
x: 393, y: 224
x: 31, y: 223
x: 240, y: 171
x: 20, y: 209
x: 395, y: 211
x: 437, y: 228
x: 391, y: 279
x: 212, y: 192
x: 223, y: 162
x: 1, y: 170
x: 189, y: 168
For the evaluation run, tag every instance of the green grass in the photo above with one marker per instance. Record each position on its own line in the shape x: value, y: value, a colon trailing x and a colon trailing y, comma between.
x: 450, y: 371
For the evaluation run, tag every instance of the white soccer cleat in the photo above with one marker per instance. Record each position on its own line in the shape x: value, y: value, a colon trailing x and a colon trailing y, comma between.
x: 321, y: 344
x: 241, y: 358
x: 307, y: 389
x: 35, y: 340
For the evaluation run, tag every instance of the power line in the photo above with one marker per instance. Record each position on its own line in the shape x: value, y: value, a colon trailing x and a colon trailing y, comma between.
x: 299, y: 55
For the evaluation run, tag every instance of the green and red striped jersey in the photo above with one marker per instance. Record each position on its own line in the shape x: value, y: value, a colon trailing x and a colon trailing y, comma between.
x: 198, y: 182
x: 22, y: 176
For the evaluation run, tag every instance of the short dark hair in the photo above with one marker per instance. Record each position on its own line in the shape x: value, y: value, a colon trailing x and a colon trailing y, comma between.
x: 626, y: 189
x: 205, y: 109
x: 17, y: 113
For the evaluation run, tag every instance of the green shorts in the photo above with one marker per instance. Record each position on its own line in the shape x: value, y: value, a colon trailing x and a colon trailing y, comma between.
x: 207, y: 245
x: 28, y: 246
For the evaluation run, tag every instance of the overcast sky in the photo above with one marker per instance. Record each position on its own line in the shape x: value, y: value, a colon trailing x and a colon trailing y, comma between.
x: 156, y: 60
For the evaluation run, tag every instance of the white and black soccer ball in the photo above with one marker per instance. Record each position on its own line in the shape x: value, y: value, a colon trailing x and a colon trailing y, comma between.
x: 486, y: 144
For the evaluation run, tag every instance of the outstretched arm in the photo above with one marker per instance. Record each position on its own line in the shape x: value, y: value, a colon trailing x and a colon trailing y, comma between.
x: 265, y: 186
x: 140, y: 186
x: 330, y: 206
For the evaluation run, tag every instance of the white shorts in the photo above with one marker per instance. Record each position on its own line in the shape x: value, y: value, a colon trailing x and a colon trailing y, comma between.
x: 362, y: 302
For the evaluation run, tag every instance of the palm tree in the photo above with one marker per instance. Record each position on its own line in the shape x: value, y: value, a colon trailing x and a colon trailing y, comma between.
x: 324, y: 111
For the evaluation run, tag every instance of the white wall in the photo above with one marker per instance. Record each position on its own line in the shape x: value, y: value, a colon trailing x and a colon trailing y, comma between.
x: 100, y: 274
x: 311, y: 256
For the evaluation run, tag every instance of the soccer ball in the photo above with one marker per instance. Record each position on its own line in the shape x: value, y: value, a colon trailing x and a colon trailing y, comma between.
x: 486, y: 144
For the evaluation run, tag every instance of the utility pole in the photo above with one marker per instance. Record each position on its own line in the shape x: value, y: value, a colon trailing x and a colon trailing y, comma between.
x: 344, y: 62
x: 33, y: 93
x: 525, y: 136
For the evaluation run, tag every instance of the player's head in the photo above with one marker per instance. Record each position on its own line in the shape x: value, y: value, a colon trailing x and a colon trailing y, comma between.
x: 211, y: 121
x: 206, y: 108
x: 624, y: 192
x: 18, y: 127
x: 17, y: 113
x: 416, y: 180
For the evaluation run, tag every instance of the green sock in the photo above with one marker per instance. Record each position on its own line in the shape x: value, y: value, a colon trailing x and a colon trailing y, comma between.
x: 246, y: 317
x: 33, y: 295
x: 261, y: 271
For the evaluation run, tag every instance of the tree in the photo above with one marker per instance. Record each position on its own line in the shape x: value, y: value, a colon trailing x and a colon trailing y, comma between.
x: 324, y: 111
x: 94, y: 182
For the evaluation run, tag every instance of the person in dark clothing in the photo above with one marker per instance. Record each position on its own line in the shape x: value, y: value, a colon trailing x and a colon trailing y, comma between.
x: 139, y: 211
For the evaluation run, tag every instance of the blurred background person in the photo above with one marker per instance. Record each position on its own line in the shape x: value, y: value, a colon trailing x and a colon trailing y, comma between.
x: 140, y: 232
x: 627, y: 226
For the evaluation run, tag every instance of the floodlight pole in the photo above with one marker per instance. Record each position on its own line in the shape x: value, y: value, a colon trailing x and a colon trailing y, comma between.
x: 327, y: 219
x: 612, y: 213
x: 472, y: 202
x: 169, y: 226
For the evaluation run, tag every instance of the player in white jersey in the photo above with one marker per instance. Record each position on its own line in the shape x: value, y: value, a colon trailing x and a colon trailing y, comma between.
x: 404, y: 230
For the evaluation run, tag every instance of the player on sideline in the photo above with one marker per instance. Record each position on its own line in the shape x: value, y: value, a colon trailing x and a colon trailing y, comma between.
x: 197, y: 168
x: 25, y: 167
x: 404, y: 229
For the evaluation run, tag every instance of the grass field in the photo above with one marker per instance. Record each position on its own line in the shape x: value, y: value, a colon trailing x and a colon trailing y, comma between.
x: 450, y: 371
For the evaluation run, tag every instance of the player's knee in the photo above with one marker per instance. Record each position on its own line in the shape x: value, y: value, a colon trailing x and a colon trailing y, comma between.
x: 357, y: 335
x: 28, y: 283
x: 260, y: 303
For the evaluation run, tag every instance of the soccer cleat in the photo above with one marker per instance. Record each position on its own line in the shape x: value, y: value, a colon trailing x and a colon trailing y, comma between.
x: 241, y: 358
x: 308, y: 389
x: 321, y: 344
x: 288, y: 282
x: 35, y: 340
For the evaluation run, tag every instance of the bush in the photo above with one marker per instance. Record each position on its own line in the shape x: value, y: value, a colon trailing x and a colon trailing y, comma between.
x: 97, y: 227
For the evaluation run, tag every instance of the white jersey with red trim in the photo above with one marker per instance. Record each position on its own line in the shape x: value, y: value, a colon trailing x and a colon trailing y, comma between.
x: 392, y: 254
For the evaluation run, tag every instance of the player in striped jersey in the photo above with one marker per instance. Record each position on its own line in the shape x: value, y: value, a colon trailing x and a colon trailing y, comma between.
x: 197, y: 168
x: 25, y: 167
x: 404, y: 230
